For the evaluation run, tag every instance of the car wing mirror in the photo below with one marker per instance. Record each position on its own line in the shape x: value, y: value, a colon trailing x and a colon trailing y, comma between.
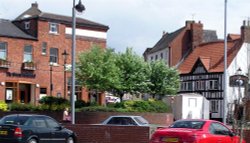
x: 231, y: 134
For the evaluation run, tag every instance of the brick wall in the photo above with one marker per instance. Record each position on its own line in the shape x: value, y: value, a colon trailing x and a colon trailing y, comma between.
x: 110, y: 134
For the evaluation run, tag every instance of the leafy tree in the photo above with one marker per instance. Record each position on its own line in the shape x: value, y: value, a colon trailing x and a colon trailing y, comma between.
x: 96, y: 69
x: 134, y: 73
x: 164, y: 80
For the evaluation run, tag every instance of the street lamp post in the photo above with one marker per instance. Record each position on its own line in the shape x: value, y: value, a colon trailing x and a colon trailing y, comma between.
x: 65, y: 57
x: 51, y: 82
x: 80, y: 8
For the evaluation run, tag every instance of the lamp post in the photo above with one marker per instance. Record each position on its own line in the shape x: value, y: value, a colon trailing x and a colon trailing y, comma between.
x: 51, y: 82
x: 65, y: 57
x: 80, y: 8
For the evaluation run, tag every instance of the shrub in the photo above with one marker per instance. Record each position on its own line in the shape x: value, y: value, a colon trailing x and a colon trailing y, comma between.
x: 3, y: 106
x: 80, y: 104
x: 21, y: 107
x: 49, y: 100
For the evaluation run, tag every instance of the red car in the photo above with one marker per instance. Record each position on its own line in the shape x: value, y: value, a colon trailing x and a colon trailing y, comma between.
x: 195, y: 131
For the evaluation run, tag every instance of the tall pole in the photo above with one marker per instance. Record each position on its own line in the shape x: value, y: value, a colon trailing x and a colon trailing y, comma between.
x: 51, y: 82
x: 64, y: 79
x: 225, y: 65
x: 72, y: 98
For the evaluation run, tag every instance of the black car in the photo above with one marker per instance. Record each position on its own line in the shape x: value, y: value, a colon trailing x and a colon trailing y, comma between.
x: 27, y: 128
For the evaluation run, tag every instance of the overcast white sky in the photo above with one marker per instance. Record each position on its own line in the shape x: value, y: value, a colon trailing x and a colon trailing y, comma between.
x: 140, y: 23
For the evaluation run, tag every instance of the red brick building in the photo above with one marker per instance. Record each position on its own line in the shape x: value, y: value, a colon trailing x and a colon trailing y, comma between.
x: 31, y: 60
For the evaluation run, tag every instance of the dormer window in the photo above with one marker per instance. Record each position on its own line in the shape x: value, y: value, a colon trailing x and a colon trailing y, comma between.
x: 27, y: 25
x: 54, y: 28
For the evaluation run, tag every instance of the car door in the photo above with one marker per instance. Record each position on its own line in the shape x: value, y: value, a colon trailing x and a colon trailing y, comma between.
x: 58, y: 135
x: 41, y: 130
x: 219, y: 133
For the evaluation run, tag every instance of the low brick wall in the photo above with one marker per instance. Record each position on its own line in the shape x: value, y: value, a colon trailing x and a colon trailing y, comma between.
x: 247, y: 136
x: 110, y: 134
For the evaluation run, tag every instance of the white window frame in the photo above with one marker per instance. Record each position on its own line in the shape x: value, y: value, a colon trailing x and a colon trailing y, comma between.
x: 54, y: 28
x: 27, y: 25
x: 44, y: 48
x: 53, y: 58
x: 28, y: 54
x: 4, y: 50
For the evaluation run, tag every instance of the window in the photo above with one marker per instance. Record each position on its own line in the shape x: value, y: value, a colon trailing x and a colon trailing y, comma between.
x: 53, y: 55
x: 43, y: 90
x: 200, y: 85
x: 219, y: 129
x: 161, y: 55
x: 39, y: 123
x: 27, y: 25
x: 192, y: 102
x: 27, y: 55
x: 214, y: 106
x: 51, y: 123
x: 213, y: 84
x: 53, y: 28
x: 3, y: 50
x: 156, y: 57
x: 152, y: 58
x: 44, y: 48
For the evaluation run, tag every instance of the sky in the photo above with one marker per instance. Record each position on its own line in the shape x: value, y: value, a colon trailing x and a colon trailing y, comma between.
x: 139, y: 24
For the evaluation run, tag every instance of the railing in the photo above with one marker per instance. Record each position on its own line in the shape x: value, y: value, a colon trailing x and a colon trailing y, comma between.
x: 29, y: 66
x: 4, y: 63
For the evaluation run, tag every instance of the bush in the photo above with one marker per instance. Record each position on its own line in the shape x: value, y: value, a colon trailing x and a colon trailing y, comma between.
x: 81, y: 103
x: 49, y: 100
x: 21, y: 107
x: 3, y: 106
x: 131, y: 106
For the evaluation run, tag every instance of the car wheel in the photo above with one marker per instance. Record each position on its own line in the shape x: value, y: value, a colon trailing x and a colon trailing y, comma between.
x: 70, y: 140
x: 32, y: 141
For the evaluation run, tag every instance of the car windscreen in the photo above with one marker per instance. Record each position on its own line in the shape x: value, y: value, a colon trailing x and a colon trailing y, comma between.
x: 141, y: 120
x: 16, y: 120
x: 188, y: 124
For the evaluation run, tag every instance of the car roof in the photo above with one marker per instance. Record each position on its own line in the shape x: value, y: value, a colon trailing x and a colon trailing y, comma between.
x: 37, y: 115
x: 205, y: 120
x: 125, y: 116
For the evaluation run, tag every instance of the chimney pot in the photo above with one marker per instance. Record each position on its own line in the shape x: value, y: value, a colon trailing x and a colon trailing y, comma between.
x: 244, y: 22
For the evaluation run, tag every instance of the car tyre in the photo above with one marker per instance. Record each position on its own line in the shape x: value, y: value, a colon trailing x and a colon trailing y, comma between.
x: 32, y: 141
x: 70, y: 140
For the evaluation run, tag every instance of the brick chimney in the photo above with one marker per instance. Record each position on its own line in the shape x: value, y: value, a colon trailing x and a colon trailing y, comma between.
x: 245, y: 31
x: 196, y: 32
x: 35, y: 5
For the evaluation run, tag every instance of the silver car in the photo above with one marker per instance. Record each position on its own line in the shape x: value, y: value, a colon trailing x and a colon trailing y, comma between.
x: 126, y: 120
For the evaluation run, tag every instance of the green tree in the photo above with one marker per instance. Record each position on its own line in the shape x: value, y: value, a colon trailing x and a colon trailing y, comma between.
x: 134, y: 73
x: 164, y: 80
x: 96, y: 69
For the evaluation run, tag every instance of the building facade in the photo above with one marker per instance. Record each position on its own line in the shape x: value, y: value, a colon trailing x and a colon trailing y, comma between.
x: 201, y: 65
x: 32, y: 63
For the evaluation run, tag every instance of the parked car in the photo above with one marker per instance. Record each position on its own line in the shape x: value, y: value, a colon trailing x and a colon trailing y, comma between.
x: 24, y: 128
x: 126, y: 120
x: 195, y: 131
x: 112, y: 99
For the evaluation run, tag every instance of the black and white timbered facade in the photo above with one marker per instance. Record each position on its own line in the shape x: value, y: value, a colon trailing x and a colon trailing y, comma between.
x: 209, y: 85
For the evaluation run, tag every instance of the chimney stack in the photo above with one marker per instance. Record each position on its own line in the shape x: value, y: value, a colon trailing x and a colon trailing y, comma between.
x: 196, y: 32
x: 245, y: 31
x: 34, y: 5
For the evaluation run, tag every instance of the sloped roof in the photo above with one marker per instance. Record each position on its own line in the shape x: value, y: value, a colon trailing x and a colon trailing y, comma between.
x: 8, y: 29
x: 34, y: 12
x: 233, y: 36
x: 165, y: 41
x: 209, y: 36
x: 212, y: 56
